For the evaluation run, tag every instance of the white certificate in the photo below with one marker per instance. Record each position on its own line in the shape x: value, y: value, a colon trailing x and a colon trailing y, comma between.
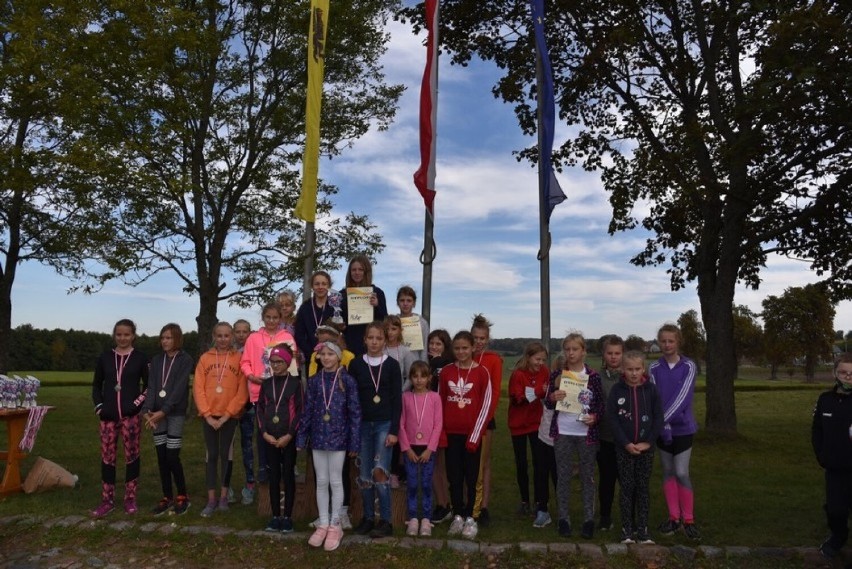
x: 576, y: 388
x: 359, y: 309
x: 412, y: 335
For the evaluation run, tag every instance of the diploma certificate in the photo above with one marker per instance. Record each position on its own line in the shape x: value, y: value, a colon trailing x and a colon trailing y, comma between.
x: 412, y: 335
x: 576, y: 387
x: 359, y: 309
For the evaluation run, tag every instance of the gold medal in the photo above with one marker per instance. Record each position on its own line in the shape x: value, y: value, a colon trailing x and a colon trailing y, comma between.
x: 219, y: 389
x: 419, y: 436
x: 326, y: 417
x: 162, y: 393
x: 462, y: 403
x: 377, y: 399
x: 117, y: 387
x: 276, y: 420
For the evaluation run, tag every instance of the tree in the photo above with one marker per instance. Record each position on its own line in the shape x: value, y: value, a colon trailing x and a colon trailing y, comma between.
x: 206, y: 116
x: 748, y: 335
x: 725, y: 118
x: 801, y: 321
x: 46, y: 212
x: 634, y: 342
x: 694, y: 339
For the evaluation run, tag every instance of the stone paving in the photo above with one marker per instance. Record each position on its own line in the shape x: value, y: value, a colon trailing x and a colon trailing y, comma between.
x: 597, y: 554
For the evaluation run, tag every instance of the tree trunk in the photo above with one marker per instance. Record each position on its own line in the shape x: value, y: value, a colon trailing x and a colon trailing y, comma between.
x: 5, y: 320
x: 207, y: 319
x: 716, y: 302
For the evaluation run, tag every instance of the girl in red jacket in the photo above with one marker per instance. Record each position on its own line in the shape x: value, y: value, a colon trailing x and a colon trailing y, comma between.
x: 527, y: 387
x: 465, y: 392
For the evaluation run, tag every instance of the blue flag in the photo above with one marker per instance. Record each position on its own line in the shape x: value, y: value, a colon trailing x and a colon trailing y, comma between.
x: 553, y: 194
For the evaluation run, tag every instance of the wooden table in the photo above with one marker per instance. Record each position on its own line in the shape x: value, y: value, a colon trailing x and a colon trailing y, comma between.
x: 16, y: 423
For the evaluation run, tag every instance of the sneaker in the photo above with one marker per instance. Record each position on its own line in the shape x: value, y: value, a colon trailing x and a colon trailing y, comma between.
x: 382, y: 529
x: 208, y: 509
x: 606, y: 523
x: 441, y: 515
x: 828, y: 550
x: 643, y: 537
x: 425, y: 527
x: 314, y: 523
x: 669, y: 527
x: 691, y: 531
x: 102, y: 510
x: 470, y: 528
x: 412, y: 528
x: 564, y: 527
x: 394, y: 481
x: 456, y: 526
x: 232, y: 497
x: 365, y: 527
x: 345, y: 522
x: 130, y: 506
x: 542, y: 519
x: 223, y: 504
x: 484, y: 518
x: 523, y: 510
x: 286, y: 525
x: 163, y: 506
x: 247, y: 496
x: 274, y: 525
x: 626, y: 536
x: 588, y: 529
x: 333, y: 538
x: 318, y: 537
x: 181, y: 505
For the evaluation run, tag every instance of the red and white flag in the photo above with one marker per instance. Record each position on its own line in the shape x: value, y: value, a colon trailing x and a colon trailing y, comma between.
x: 424, y: 177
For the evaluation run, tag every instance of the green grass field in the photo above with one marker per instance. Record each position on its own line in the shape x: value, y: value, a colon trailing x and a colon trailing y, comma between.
x: 762, y: 488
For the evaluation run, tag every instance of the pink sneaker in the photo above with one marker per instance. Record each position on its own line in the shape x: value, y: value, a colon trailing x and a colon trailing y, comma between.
x: 333, y: 538
x: 130, y: 506
x: 412, y: 527
x: 426, y: 527
x: 102, y: 510
x: 318, y: 536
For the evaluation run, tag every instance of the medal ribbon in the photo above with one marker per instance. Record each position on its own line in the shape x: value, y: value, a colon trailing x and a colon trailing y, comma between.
x: 220, y: 368
x: 283, y: 389
x: 327, y: 401
x: 166, y: 374
x: 419, y: 414
x: 375, y: 379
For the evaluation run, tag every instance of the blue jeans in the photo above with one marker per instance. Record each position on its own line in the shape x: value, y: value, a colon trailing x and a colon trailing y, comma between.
x: 419, y: 477
x: 374, y: 455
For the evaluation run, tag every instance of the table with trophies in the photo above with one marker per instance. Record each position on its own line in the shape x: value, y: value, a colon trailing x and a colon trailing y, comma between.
x: 22, y: 417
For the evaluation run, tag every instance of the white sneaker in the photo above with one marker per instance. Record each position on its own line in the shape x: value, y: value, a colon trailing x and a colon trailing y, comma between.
x: 470, y: 529
x: 413, y: 527
x: 542, y: 519
x: 456, y: 526
x: 315, y: 523
x: 345, y: 522
x: 425, y: 527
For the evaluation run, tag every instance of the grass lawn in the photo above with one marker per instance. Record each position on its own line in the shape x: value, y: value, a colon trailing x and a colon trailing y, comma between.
x: 763, y: 488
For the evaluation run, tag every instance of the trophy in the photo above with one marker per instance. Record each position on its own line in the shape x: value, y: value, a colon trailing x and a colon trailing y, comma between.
x: 335, y: 299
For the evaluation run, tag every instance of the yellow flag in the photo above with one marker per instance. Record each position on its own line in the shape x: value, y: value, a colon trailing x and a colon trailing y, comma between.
x: 306, y: 207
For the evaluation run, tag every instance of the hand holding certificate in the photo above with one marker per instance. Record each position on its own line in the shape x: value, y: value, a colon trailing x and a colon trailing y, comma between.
x: 412, y: 334
x: 576, y: 388
x: 360, y: 309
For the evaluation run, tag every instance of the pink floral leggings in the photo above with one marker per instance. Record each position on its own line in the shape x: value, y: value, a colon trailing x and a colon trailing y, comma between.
x: 131, y: 434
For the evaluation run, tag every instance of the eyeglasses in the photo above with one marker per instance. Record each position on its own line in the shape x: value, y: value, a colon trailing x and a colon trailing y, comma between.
x: 277, y: 362
x: 846, y: 374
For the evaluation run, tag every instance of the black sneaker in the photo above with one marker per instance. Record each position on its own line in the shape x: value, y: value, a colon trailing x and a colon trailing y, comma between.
x: 606, y: 523
x: 484, y: 519
x: 627, y: 536
x: 523, y: 510
x: 441, y: 514
x: 669, y: 527
x: 828, y: 550
x: 365, y: 527
x: 691, y: 531
x: 382, y: 529
x: 274, y: 525
x: 286, y: 525
x: 564, y: 527
x: 643, y: 537
x: 181, y: 505
x: 162, y: 506
x: 588, y: 531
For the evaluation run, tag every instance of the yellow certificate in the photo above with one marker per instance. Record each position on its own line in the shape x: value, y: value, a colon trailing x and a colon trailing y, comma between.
x: 412, y: 334
x: 577, y: 395
x: 359, y: 309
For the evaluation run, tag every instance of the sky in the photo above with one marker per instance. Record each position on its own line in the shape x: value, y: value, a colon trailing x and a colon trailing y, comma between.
x: 486, y: 232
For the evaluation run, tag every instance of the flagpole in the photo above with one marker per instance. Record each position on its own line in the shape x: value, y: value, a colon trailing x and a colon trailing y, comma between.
x: 310, y: 239
x: 543, y: 218
x: 426, y: 258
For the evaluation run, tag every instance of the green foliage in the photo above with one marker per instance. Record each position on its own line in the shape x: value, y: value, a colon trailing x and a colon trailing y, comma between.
x: 694, y: 339
x: 204, y: 121
x: 720, y: 129
x: 799, y: 324
x: 748, y: 335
